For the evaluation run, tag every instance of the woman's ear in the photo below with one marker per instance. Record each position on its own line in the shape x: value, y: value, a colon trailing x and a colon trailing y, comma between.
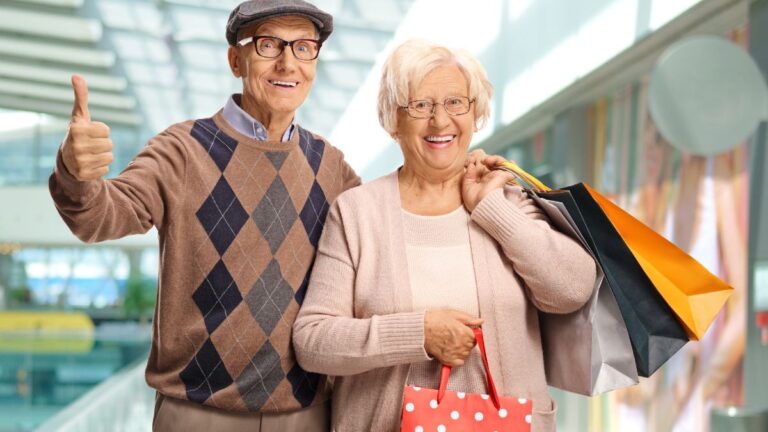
x: 234, y: 61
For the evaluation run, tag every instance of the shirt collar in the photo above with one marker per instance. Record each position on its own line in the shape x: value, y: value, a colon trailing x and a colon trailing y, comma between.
x: 246, y: 124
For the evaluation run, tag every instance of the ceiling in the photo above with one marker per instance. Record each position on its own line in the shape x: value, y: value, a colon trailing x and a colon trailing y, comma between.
x: 151, y: 63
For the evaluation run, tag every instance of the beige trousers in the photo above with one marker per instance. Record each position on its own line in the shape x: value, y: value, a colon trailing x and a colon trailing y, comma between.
x: 173, y: 414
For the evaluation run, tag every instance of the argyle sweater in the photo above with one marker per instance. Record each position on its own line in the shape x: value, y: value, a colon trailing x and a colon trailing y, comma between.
x: 238, y: 222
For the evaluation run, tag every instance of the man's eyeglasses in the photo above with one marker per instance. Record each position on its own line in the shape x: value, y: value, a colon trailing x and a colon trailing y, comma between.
x: 272, y: 47
x: 455, y: 106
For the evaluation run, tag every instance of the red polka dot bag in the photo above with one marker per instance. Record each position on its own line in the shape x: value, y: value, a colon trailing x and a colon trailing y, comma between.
x: 441, y: 410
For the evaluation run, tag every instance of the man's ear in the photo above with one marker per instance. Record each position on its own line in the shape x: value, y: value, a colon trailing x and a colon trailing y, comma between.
x: 234, y: 61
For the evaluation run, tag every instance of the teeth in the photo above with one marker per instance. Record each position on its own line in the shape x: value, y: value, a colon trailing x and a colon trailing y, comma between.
x: 285, y: 83
x: 432, y: 138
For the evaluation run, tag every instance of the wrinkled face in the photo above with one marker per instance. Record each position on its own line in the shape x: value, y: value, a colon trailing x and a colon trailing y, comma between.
x: 437, y: 146
x: 275, y: 85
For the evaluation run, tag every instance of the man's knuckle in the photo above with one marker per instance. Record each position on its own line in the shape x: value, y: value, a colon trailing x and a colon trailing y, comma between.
x: 102, y: 128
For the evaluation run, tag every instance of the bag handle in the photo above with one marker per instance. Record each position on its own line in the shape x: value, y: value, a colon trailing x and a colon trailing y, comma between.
x: 446, y: 372
x: 521, y: 174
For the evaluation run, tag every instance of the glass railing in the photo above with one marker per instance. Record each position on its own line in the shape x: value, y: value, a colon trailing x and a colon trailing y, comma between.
x: 122, y: 403
x: 51, y: 361
x: 60, y: 373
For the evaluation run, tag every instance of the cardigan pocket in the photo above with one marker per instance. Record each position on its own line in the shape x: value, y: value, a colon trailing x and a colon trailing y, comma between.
x: 545, y: 420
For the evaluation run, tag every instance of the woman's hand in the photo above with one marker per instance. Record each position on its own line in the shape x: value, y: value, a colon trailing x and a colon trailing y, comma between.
x: 448, y: 336
x: 477, y: 183
x: 475, y: 157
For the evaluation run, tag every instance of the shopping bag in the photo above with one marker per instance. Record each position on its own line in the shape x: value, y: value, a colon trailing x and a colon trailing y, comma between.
x: 695, y: 294
x: 654, y: 330
x: 587, y: 351
x: 444, y: 410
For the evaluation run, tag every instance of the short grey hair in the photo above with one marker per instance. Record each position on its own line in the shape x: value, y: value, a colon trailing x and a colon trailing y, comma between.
x: 411, y: 62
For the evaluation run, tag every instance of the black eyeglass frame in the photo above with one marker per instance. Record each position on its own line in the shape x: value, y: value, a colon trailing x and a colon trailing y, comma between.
x: 283, y: 43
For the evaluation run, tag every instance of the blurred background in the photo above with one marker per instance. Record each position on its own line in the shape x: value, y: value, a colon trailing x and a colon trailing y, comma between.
x: 573, y: 102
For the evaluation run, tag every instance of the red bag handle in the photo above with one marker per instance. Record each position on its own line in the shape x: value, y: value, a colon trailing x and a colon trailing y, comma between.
x: 446, y: 372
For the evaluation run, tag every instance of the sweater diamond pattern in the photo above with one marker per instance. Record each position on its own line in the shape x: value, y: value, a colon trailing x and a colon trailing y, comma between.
x: 304, y: 384
x: 260, y: 377
x: 217, y: 296
x: 269, y: 297
x: 218, y: 145
x: 222, y: 216
x: 302, y: 291
x: 277, y: 158
x: 313, y: 149
x: 314, y: 212
x: 259, y: 229
x: 206, y: 374
x: 275, y: 214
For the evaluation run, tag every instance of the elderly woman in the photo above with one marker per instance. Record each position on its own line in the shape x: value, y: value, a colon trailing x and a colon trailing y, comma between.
x: 409, y: 262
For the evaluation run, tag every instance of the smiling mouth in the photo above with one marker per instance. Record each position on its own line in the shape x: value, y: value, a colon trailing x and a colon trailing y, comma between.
x: 439, y: 141
x: 284, y: 84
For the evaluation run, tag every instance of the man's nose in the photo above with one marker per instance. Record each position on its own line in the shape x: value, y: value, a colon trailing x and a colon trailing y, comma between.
x: 286, y: 60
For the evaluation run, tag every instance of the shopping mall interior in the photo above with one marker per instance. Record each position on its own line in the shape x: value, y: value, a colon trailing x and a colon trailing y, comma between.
x: 611, y: 93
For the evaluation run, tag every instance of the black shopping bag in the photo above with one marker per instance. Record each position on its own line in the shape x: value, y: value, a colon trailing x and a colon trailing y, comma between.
x: 654, y: 331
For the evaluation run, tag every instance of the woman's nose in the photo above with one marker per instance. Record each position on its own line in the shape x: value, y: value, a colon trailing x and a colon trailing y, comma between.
x: 440, y: 117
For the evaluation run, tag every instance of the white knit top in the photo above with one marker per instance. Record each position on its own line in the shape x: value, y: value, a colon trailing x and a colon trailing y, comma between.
x: 442, y: 276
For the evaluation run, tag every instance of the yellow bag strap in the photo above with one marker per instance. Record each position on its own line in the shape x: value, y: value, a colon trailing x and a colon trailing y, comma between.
x: 520, y: 173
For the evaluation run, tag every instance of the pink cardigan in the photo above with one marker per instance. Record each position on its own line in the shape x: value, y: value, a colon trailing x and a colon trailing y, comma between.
x: 356, y: 322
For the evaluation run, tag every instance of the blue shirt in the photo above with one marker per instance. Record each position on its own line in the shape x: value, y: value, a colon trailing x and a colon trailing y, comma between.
x: 247, y: 125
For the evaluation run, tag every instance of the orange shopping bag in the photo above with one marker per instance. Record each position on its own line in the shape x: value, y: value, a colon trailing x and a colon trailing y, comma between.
x: 694, y: 294
x: 654, y: 330
x: 691, y: 291
x: 444, y: 410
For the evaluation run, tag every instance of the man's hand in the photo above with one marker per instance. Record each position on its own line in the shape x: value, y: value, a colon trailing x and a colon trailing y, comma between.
x: 448, y: 335
x: 478, y: 183
x: 87, y: 149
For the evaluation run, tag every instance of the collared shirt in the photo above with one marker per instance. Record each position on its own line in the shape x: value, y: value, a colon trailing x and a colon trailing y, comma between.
x: 246, y: 124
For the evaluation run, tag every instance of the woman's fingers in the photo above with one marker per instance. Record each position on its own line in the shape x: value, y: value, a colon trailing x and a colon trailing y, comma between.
x: 447, y: 336
x: 466, y: 318
x: 471, y: 175
x: 475, y: 156
x: 497, y: 179
x: 493, y: 161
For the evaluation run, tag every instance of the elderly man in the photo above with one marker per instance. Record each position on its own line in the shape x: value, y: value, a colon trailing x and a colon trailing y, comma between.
x: 239, y: 201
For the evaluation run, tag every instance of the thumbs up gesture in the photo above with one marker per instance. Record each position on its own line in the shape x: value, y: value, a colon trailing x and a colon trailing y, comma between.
x: 87, y: 149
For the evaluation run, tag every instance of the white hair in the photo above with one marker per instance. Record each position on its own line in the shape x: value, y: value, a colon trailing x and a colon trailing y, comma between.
x: 411, y: 62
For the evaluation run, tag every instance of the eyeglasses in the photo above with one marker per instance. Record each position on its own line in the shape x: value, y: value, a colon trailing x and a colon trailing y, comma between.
x: 272, y: 47
x: 455, y: 106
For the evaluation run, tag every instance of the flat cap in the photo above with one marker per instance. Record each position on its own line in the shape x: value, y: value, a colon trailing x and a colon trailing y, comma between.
x: 252, y: 11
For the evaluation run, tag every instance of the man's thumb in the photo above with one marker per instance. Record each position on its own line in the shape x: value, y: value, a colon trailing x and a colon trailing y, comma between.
x: 80, y: 106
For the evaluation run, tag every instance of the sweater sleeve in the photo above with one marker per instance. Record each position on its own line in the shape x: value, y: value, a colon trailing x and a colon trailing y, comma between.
x: 348, y: 176
x: 558, y: 274
x: 327, y: 336
x: 130, y: 203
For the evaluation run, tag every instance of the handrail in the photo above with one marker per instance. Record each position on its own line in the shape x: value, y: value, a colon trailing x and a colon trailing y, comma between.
x: 123, y: 402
